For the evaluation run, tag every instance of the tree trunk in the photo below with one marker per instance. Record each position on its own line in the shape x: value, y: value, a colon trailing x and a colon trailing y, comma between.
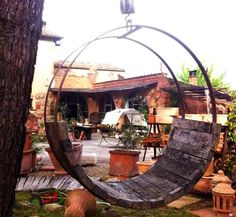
x: 20, y: 29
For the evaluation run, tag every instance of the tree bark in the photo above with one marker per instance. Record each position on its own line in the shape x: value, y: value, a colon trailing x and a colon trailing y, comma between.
x: 20, y: 29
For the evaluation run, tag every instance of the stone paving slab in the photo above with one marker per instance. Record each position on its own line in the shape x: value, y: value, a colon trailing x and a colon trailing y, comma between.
x: 184, y: 201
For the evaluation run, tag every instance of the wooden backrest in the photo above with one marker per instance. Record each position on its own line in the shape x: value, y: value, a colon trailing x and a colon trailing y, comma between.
x: 202, y: 136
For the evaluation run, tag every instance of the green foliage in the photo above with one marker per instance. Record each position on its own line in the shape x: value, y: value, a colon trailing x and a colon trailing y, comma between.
x: 28, y: 205
x: 71, y: 123
x: 174, y: 98
x: 20, y: 211
x: 64, y: 109
x: 138, y: 102
x: 61, y: 197
x: 217, y: 82
x: 131, y: 135
x: 36, y: 138
x: 36, y: 201
x: 231, y: 123
x: 42, y: 125
x: 230, y: 157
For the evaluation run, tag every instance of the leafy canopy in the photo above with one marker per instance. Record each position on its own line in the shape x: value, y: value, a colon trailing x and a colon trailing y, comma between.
x: 217, y: 82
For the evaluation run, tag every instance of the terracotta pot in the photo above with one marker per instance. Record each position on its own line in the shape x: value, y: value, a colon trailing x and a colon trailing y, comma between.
x: 123, y: 163
x: 144, y: 166
x: 57, y: 166
x: 80, y: 201
x: 77, y: 149
x: 203, y: 186
x: 210, y: 170
x: 26, y: 162
x: 28, y: 140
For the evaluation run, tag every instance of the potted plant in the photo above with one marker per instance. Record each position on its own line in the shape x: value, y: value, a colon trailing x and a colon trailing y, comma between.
x: 31, y: 149
x: 123, y: 161
x: 37, y: 149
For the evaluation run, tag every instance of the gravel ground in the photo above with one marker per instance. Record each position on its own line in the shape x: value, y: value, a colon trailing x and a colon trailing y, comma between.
x: 100, y: 170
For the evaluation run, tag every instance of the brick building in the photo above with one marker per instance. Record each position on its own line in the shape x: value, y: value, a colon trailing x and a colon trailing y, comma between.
x: 84, y: 92
x: 99, y: 88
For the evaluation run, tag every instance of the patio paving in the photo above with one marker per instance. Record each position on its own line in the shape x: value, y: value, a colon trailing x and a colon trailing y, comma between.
x: 184, y: 201
x: 95, y: 145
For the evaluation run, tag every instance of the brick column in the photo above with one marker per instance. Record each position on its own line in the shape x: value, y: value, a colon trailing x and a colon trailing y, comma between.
x: 119, y: 101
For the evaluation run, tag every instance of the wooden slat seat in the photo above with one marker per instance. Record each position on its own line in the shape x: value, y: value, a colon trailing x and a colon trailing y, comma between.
x: 184, y: 161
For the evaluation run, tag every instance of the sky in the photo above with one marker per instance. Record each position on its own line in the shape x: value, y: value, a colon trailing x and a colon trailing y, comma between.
x: 207, y: 27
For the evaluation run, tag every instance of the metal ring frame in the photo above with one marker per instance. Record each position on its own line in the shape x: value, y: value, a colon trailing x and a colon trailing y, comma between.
x: 99, y: 189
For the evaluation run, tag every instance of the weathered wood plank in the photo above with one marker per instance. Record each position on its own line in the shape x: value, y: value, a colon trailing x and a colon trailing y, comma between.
x: 167, y: 188
x: 35, y: 183
x: 29, y: 182
x: 41, y: 181
x: 160, y: 185
x: 74, y: 185
x: 63, y: 130
x: 197, y: 125
x: 127, y: 198
x: 201, y: 150
x: 112, y: 194
x: 123, y: 190
x: 58, y: 181
x: 67, y: 183
x: 170, y: 190
x: 21, y: 183
x: 163, y: 173
x: 150, y: 190
x: 143, y: 185
x: 182, y: 166
x: 183, y: 157
x: 45, y: 183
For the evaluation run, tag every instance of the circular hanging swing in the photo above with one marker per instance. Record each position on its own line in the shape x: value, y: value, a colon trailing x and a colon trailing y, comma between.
x: 183, y: 163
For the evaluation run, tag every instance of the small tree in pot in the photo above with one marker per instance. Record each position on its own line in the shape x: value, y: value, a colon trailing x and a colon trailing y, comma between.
x: 123, y: 161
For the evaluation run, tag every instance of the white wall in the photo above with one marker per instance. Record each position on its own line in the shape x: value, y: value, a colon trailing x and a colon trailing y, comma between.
x: 43, y: 68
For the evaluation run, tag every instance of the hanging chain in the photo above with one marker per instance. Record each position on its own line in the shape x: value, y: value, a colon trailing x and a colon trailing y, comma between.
x: 128, y: 23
